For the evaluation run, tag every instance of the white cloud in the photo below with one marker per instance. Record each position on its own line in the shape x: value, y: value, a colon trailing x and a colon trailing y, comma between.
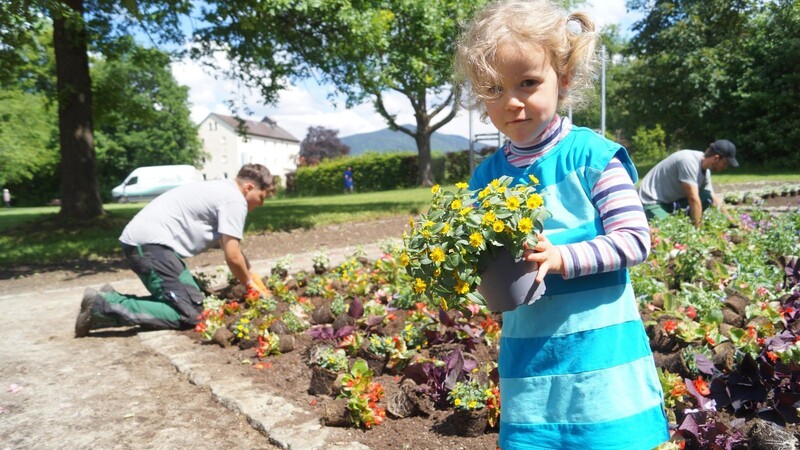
x: 306, y: 104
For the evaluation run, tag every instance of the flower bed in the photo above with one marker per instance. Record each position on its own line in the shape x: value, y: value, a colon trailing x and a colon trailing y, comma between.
x: 719, y: 305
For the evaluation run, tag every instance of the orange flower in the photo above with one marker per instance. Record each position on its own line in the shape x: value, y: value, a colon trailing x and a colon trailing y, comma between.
x: 670, y: 326
x: 701, y: 386
x: 772, y: 356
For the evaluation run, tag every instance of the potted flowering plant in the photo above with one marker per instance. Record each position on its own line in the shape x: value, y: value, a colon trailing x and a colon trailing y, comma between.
x: 476, y: 405
x: 470, y: 242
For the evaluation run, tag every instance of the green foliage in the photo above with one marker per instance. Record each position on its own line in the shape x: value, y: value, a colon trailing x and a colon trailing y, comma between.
x: 648, y: 146
x: 27, y: 135
x: 363, y: 49
x: 714, y: 69
x: 371, y: 172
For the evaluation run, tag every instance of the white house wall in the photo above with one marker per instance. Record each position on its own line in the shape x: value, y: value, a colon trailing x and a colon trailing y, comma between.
x: 227, y: 151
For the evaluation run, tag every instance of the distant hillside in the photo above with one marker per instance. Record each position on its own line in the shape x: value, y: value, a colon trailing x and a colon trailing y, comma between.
x: 394, y: 141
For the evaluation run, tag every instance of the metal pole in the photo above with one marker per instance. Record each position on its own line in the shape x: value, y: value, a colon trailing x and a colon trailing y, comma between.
x: 603, y: 91
x: 471, y: 145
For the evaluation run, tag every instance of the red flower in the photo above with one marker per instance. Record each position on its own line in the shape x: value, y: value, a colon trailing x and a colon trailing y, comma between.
x: 701, y: 386
x: 772, y: 357
x: 691, y: 312
x: 710, y: 340
x: 670, y: 326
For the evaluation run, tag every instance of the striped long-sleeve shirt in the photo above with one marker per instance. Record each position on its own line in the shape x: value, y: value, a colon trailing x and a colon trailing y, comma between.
x: 627, y: 239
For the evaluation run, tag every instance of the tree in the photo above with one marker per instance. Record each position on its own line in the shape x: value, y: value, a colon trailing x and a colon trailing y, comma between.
x: 364, y: 48
x: 321, y: 143
x: 79, y: 25
x: 141, y: 115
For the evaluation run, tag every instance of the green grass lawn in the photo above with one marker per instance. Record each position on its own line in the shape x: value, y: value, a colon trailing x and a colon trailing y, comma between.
x: 37, y: 236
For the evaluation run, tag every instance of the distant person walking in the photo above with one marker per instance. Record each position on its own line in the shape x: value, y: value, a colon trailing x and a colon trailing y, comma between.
x: 7, y: 198
x: 348, y: 180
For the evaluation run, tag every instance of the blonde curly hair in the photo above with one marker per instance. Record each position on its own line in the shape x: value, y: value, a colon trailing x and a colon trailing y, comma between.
x: 569, y: 41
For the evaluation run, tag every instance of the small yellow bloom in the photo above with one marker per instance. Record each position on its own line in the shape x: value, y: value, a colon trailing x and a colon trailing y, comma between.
x: 495, y: 183
x: 434, y: 188
x: 489, y: 217
x: 443, y: 303
x: 427, y: 224
x: 465, y: 211
x: 534, y: 201
x: 525, y: 225
x: 534, y: 180
x: 426, y: 233
x: 411, y: 221
x: 457, y: 401
x: 437, y: 272
x: 419, y: 286
x: 437, y: 255
x: 462, y: 185
x: 462, y: 287
x: 498, y: 226
x: 513, y: 203
x: 446, y: 228
x: 404, y: 259
x: 475, y: 239
x: 456, y: 204
x: 486, y: 191
x: 472, y: 404
x: 501, y: 189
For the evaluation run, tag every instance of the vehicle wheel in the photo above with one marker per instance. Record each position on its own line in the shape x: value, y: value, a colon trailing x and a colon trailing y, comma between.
x: 123, y: 199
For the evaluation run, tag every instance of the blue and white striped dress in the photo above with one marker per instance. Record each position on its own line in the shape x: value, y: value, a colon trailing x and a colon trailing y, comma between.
x: 575, y: 367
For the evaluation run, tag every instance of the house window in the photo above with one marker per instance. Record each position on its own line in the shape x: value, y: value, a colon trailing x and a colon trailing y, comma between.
x: 225, y: 175
x: 212, y: 126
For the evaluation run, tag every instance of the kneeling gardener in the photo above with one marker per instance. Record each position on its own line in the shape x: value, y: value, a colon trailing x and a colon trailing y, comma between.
x: 180, y: 223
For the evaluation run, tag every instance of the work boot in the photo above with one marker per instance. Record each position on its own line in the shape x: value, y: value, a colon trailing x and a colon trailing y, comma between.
x: 84, y: 322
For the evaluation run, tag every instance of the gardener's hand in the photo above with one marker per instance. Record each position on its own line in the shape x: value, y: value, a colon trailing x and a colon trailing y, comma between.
x: 256, y: 284
x: 546, y: 255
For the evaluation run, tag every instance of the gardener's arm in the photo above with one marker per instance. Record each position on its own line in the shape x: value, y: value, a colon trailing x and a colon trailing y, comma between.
x: 695, y: 204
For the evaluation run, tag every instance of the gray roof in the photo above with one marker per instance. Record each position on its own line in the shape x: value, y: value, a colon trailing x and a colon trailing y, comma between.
x: 265, y: 128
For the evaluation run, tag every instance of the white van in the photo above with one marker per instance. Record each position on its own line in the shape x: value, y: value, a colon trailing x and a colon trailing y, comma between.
x: 147, y: 183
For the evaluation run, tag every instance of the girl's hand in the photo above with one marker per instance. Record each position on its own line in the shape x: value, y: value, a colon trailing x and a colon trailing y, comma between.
x: 546, y: 255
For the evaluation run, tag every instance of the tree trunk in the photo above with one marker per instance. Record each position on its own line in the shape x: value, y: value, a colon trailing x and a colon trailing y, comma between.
x: 423, y: 138
x: 80, y: 194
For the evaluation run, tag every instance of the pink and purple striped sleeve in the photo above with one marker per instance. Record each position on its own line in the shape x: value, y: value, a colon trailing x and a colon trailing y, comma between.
x: 627, y: 234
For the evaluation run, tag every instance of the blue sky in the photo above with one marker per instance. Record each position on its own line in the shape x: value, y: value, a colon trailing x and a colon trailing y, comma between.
x: 306, y: 104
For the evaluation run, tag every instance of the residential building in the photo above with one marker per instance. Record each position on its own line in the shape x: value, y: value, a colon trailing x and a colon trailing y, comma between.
x: 230, y: 143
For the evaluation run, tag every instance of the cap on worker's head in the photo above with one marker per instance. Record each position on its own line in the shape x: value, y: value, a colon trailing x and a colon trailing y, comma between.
x: 726, y: 149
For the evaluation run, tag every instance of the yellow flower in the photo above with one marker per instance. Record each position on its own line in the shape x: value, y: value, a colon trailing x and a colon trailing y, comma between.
x: 446, y: 228
x: 462, y: 287
x: 513, y: 203
x: 419, y: 286
x: 437, y: 272
x: 457, y: 401
x: 501, y: 189
x: 475, y: 239
x: 434, y: 188
x: 498, y: 226
x: 426, y: 233
x: 534, y: 201
x: 404, y: 259
x: 411, y: 221
x: 465, y: 211
x: 437, y: 255
x: 489, y: 217
x: 534, y: 180
x: 495, y: 183
x: 525, y: 225
x: 443, y: 303
x: 472, y: 404
x: 456, y: 204
x: 462, y: 185
x: 428, y: 224
x: 486, y: 191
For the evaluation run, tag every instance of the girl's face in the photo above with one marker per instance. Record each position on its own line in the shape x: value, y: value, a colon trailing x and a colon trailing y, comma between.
x: 527, y: 96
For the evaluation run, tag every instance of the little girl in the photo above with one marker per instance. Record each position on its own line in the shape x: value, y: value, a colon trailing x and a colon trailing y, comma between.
x: 576, y: 369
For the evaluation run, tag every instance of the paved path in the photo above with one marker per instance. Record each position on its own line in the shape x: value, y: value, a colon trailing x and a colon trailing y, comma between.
x: 132, y: 390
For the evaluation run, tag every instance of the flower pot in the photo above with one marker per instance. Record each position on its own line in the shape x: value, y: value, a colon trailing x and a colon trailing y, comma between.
x: 469, y: 422
x: 375, y: 362
x: 507, y: 283
x: 323, y: 381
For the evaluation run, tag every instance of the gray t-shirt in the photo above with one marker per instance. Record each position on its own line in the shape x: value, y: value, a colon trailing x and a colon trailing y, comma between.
x: 663, y: 183
x: 190, y: 218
